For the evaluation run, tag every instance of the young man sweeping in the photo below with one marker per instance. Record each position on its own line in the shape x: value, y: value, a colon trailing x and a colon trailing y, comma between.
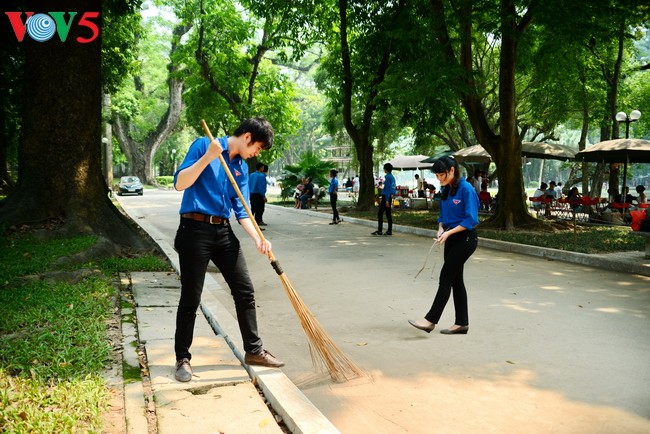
x: 205, y: 234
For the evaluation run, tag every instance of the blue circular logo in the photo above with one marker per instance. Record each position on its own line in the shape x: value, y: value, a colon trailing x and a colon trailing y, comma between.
x: 41, y: 27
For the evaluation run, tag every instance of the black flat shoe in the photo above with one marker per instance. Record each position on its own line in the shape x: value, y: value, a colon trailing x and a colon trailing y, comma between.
x: 461, y: 330
x: 427, y: 329
x: 334, y: 223
x: 377, y: 233
x: 389, y: 233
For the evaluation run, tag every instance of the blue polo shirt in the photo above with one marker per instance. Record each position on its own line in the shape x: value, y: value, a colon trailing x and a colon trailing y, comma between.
x: 460, y: 209
x: 257, y: 183
x: 212, y: 192
x: 389, y: 186
x: 334, y: 186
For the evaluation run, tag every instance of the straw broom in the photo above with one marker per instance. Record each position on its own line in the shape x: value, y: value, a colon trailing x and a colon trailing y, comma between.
x: 324, y: 352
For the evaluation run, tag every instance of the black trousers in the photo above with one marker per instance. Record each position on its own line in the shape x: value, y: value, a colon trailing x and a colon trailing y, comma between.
x: 257, y: 206
x: 384, y: 207
x: 335, y: 213
x: 458, y: 249
x: 196, y: 244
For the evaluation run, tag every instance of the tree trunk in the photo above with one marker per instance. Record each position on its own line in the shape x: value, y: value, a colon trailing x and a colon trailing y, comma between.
x: 505, y: 148
x: 107, y: 141
x: 364, y: 151
x: 513, y: 205
x: 140, y: 158
x: 60, y: 173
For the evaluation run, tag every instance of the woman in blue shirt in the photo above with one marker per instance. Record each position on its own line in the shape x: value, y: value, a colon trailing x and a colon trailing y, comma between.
x: 458, y: 217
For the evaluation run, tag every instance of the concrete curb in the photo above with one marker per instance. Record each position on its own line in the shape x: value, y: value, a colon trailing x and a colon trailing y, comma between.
x: 613, y: 261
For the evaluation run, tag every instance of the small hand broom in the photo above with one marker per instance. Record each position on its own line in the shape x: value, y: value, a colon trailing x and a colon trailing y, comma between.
x: 324, y: 352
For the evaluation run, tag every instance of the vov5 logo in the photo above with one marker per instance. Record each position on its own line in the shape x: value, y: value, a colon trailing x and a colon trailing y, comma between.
x: 41, y: 27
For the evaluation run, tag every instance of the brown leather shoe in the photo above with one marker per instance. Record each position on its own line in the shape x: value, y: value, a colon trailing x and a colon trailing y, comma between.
x: 263, y: 358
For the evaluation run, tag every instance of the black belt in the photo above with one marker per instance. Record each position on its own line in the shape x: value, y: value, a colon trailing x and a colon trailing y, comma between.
x: 211, y: 219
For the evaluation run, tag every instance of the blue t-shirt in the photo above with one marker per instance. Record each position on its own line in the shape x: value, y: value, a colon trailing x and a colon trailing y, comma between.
x: 460, y: 209
x: 212, y: 193
x: 389, y: 186
x: 257, y: 183
x: 334, y: 186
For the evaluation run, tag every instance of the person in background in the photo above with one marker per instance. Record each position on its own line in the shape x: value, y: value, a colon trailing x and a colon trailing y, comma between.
x: 204, y: 234
x: 307, y: 193
x: 485, y: 198
x: 641, y: 198
x: 333, y: 190
x: 540, y: 193
x: 419, y: 185
x: 551, y: 193
x: 573, y: 198
x: 349, y: 184
x: 626, y: 197
x: 477, y: 181
x: 299, y: 188
x: 385, y: 198
x: 458, y: 218
x: 257, y: 185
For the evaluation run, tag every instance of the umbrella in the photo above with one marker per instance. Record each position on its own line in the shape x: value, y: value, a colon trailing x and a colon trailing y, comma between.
x: 618, y: 151
x: 410, y: 162
x: 473, y: 154
x: 447, y: 153
x: 547, y: 151
x: 478, y: 154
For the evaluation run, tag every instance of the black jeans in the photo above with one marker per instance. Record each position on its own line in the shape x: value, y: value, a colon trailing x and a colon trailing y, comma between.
x: 257, y: 206
x: 458, y: 248
x: 196, y: 244
x: 384, y: 206
x: 335, y: 214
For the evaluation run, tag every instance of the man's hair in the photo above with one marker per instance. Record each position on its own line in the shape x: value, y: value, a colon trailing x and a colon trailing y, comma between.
x: 260, y: 129
x: 259, y: 166
x: 388, y: 167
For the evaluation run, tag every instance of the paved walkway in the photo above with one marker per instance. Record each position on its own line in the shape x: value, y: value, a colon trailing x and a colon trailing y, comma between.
x: 554, y: 346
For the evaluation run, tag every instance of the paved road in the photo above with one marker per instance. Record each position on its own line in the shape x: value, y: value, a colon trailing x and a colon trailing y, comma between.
x: 552, y: 347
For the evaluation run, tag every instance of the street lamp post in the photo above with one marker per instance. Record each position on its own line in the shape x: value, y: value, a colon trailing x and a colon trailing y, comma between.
x: 173, y: 161
x: 623, y: 117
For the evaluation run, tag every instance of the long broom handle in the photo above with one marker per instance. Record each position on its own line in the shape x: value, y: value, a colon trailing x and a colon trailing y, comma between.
x: 274, y: 262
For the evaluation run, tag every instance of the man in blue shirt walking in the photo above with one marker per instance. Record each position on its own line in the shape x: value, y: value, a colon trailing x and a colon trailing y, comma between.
x: 385, y: 202
x: 257, y: 185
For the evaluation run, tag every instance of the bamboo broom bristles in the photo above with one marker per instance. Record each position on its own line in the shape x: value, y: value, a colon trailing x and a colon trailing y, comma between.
x: 325, y: 354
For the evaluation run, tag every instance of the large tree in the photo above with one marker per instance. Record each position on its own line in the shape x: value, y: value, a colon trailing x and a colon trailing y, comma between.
x: 139, y: 146
x: 360, y: 53
x: 60, y: 174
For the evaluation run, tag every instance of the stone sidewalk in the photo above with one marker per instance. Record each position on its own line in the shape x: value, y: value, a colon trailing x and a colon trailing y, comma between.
x: 222, y: 396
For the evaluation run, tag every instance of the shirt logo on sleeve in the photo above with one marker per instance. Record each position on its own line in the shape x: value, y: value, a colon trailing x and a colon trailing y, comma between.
x: 237, y: 173
x: 456, y: 201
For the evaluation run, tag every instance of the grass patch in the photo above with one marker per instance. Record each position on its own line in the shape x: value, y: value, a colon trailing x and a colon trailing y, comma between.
x: 54, y: 345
